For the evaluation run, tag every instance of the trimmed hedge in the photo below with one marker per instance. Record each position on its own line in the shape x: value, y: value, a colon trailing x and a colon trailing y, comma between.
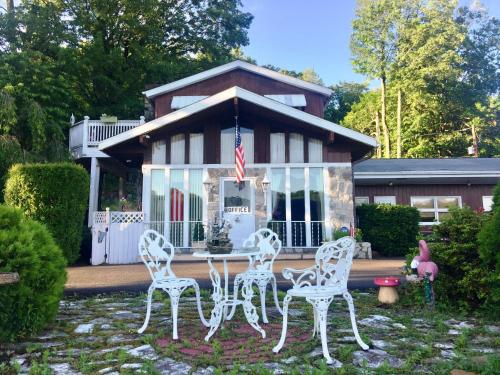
x: 489, y: 249
x: 391, y: 229
x: 10, y: 153
x: 54, y: 194
x: 28, y: 248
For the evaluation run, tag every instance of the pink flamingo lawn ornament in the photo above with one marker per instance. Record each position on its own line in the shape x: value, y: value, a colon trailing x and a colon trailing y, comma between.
x: 422, y: 263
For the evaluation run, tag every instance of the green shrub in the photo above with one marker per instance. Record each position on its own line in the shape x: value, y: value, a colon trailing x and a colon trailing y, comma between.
x: 391, y: 229
x: 28, y: 248
x: 54, y: 194
x: 10, y: 154
x: 489, y: 248
x: 454, y: 248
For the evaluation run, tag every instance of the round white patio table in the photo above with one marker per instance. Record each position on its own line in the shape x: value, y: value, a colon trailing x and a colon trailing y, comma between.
x: 220, y: 295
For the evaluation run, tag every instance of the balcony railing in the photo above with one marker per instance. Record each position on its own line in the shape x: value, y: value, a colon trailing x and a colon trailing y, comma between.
x: 85, y: 136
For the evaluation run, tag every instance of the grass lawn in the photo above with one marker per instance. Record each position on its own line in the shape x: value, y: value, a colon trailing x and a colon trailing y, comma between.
x: 98, y: 335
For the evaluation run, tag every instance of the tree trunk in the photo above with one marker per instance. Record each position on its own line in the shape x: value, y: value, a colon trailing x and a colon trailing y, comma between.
x: 474, y: 141
x: 387, y: 142
x: 10, y: 5
x: 398, y: 129
x: 377, y: 134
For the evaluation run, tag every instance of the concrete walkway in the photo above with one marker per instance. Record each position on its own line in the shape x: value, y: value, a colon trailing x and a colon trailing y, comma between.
x: 135, y: 277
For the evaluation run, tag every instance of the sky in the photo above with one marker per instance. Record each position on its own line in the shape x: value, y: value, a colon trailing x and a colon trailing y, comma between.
x: 300, y: 34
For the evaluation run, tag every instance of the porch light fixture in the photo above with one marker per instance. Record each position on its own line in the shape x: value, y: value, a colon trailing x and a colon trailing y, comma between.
x: 207, y: 184
x: 265, y: 184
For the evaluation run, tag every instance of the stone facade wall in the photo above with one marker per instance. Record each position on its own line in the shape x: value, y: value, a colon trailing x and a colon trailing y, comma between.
x: 341, y: 194
x: 213, y: 204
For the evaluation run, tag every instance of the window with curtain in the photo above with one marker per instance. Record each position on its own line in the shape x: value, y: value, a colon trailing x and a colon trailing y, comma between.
x: 196, y: 148
x: 196, y: 205
x: 158, y: 152
x: 227, y: 140
x: 176, y: 206
x: 157, y: 203
x: 315, y: 150
x: 277, y: 147
x: 434, y: 209
x: 317, y: 205
x: 278, y: 203
x: 296, y: 148
x: 297, y: 205
x: 177, y: 149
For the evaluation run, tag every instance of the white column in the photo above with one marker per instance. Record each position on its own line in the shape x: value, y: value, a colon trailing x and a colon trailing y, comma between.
x: 307, y: 202
x: 288, y: 214
x: 94, y: 189
x: 85, y: 135
x: 326, y: 191
x: 186, y: 232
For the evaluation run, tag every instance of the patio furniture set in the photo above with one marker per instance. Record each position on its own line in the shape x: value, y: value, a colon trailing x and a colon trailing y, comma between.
x: 318, y: 284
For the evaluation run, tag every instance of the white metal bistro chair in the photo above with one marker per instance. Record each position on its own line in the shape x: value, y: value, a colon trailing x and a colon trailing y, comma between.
x: 157, y: 254
x: 319, y: 285
x: 260, y: 270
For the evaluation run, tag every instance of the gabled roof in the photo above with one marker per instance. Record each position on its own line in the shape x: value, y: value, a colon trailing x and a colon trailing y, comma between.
x: 237, y: 92
x: 427, y: 167
x: 238, y: 64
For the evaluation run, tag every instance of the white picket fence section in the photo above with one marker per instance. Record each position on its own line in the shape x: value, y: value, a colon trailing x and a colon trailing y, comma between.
x: 115, y: 236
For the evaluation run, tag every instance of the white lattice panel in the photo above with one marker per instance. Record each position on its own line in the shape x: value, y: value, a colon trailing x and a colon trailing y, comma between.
x: 99, y: 217
x: 127, y: 217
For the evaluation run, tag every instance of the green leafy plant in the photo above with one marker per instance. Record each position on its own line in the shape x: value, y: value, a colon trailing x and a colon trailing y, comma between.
x: 462, y: 278
x: 55, y: 194
x: 26, y: 247
x: 489, y: 246
x: 391, y: 229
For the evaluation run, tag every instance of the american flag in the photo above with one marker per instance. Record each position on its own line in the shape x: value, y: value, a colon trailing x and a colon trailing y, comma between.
x: 239, y: 155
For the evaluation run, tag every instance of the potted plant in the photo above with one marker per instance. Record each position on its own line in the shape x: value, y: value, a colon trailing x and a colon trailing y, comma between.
x: 218, y: 241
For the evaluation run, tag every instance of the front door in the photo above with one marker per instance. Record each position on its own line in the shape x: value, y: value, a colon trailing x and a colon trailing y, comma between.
x: 238, y: 208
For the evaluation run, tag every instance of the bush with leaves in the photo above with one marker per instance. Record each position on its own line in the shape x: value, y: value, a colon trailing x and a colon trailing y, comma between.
x: 10, y: 154
x: 489, y: 249
x: 55, y: 194
x: 27, y: 247
x: 462, y: 278
x: 391, y: 229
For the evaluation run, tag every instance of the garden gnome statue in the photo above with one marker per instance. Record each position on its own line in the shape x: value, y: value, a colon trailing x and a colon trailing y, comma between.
x: 422, y: 262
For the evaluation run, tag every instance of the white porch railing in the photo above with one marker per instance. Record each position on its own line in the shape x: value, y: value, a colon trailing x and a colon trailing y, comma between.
x: 115, y: 235
x: 85, y: 136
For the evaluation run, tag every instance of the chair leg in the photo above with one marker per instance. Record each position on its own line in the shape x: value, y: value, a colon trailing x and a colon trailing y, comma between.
x: 286, y: 301
x: 148, y: 309
x: 316, y: 323
x: 262, y: 284
x: 237, y: 282
x: 174, y: 303
x: 347, y: 296
x: 275, y: 293
x: 198, y: 303
x: 320, y: 306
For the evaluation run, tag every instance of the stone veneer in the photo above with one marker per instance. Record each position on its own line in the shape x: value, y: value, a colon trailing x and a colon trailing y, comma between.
x: 340, y: 192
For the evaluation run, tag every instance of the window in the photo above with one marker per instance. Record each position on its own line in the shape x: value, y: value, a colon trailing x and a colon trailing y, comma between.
x: 317, y: 205
x: 296, y: 148
x: 358, y: 201
x: 158, y: 151
x: 157, y: 208
x: 227, y: 145
x: 434, y: 209
x: 177, y: 149
x: 277, y: 147
x: 297, y: 206
x: 196, y: 148
x: 487, y: 203
x: 384, y: 199
x: 315, y: 151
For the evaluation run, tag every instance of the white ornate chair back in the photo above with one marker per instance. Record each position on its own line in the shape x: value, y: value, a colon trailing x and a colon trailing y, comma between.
x: 334, y: 262
x: 269, y: 245
x: 157, y: 254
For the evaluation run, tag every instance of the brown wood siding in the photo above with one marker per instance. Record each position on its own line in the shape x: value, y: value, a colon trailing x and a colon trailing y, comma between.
x: 336, y: 153
x: 261, y: 142
x: 246, y: 80
x: 211, y: 143
x: 472, y: 196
